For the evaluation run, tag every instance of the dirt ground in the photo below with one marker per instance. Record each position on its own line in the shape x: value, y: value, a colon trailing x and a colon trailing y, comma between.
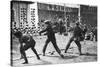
x: 89, y: 50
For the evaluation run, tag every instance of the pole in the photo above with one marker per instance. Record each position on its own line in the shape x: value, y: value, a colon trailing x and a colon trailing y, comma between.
x: 19, y: 13
x: 65, y: 17
x: 79, y: 15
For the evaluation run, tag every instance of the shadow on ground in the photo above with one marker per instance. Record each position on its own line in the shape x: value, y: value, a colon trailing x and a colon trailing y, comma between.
x: 42, y: 62
x: 65, y: 57
x: 72, y: 57
x: 89, y: 54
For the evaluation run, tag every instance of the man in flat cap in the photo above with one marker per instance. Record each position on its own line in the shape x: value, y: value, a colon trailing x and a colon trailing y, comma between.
x: 77, y: 33
x: 50, y: 38
x: 29, y: 43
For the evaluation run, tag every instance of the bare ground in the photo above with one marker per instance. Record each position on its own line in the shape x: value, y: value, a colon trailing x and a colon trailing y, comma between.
x: 89, y: 50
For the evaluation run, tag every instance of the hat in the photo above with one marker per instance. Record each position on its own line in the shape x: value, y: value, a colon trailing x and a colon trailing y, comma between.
x: 18, y: 34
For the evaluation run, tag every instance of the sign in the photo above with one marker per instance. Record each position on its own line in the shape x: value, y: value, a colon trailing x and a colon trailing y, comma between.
x: 33, y: 18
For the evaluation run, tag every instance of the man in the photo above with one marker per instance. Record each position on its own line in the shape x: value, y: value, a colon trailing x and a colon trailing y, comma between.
x: 85, y: 30
x: 77, y: 33
x: 29, y: 43
x: 94, y: 31
x: 61, y: 26
x: 50, y: 38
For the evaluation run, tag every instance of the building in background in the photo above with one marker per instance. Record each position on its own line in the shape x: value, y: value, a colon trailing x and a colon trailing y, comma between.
x: 89, y: 15
x: 28, y: 14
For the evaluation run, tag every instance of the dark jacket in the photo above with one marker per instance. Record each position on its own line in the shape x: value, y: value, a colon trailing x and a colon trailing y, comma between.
x: 77, y: 32
x: 49, y: 32
x: 28, y: 40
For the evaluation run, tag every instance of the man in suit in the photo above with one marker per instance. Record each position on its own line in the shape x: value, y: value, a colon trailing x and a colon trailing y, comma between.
x: 29, y: 43
x: 77, y: 33
x: 50, y: 38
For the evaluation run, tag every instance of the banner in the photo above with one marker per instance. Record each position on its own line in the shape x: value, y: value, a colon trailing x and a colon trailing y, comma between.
x: 33, y: 15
